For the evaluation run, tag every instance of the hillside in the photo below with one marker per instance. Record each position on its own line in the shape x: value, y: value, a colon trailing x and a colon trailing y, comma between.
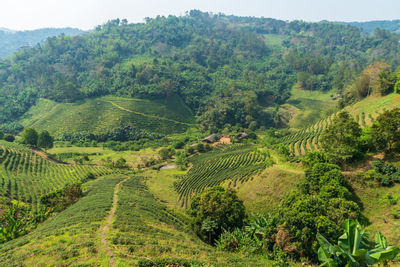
x: 370, y: 26
x: 98, y: 115
x: 11, y: 41
x: 228, y: 70
x: 306, y: 139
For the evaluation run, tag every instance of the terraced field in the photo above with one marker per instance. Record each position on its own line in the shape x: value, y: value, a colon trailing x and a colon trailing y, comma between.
x: 25, y: 175
x: 97, y: 115
x: 237, y: 163
x: 364, y: 112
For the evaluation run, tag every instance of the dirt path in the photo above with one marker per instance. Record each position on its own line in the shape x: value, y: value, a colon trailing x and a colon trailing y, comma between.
x: 148, y: 115
x: 46, y: 156
x: 106, y: 227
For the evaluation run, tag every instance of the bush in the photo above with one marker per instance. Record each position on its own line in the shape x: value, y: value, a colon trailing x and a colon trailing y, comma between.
x: 9, y: 137
x: 216, y: 210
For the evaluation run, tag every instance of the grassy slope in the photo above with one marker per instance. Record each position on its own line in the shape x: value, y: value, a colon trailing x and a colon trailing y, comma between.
x: 98, y: 114
x: 69, y: 237
x: 305, y: 108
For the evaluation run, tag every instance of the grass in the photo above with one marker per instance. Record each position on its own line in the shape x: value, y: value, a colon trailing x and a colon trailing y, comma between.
x: 25, y: 175
x: 147, y: 230
x: 305, y: 108
x: 69, y: 237
x: 97, y: 115
x: 379, y: 210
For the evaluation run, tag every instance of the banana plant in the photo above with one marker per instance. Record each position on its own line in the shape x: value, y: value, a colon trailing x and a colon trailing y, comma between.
x: 353, y: 248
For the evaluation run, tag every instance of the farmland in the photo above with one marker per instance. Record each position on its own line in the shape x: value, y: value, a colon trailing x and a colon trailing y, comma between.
x: 101, y: 114
x: 25, y: 175
x: 237, y: 163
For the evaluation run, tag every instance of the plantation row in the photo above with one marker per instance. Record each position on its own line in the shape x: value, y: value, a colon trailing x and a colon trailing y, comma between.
x: 237, y: 163
x: 307, y: 139
x: 25, y: 176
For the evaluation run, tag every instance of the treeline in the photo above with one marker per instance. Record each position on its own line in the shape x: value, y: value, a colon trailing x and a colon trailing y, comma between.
x: 220, y: 65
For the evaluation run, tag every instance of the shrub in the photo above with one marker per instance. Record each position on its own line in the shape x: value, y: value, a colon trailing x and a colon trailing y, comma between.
x: 214, y: 211
x: 9, y: 137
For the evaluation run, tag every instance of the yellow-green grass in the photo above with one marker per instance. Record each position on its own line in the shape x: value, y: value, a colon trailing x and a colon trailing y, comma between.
x: 273, y: 41
x: 97, y: 115
x: 378, y: 209
x: 70, y: 237
x: 98, y: 155
x: 305, y: 108
x: 146, y: 229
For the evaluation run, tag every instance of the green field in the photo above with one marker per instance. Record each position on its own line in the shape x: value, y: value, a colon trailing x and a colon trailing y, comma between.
x: 26, y: 175
x: 364, y: 112
x: 97, y: 115
x: 235, y: 163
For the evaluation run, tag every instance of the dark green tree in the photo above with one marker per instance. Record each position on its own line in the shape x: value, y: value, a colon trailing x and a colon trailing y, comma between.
x: 216, y: 210
x: 45, y: 140
x: 341, y: 140
x: 30, y: 137
x: 386, y: 131
x: 1, y: 134
x: 9, y: 137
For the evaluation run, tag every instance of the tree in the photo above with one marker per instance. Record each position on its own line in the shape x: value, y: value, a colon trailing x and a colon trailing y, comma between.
x: 45, y: 140
x: 166, y: 153
x: 9, y: 137
x: 1, y: 134
x: 30, y: 137
x: 216, y: 210
x: 386, y: 131
x: 341, y: 140
x: 386, y: 82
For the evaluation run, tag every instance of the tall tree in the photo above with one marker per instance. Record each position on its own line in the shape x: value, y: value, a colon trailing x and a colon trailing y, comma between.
x: 341, y: 140
x: 386, y: 131
x: 45, y: 140
x: 30, y: 137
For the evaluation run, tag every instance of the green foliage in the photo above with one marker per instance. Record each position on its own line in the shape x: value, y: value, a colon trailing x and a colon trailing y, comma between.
x: 30, y: 137
x: 45, y: 140
x: 166, y: 153
x: 386, y: 82
x: 9, y: 137
x: 322, y: 203
x: 385, y: 131
x: 354, y: 248
x: 214, y: 211
x: 25, y: 175
x: 62, y: 198
x: 257, y: 237
x: 341, y: 140
x: 1, y: 134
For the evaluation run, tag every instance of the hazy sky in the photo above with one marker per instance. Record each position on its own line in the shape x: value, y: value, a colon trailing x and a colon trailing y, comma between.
x: 86, y: 14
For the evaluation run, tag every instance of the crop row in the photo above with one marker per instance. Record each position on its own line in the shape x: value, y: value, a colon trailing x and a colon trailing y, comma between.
x: 25, y: 176
x: 237, y: 163
x: 307, y: 139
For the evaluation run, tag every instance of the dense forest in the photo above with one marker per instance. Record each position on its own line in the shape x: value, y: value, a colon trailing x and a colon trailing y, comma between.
x: 229, y: 70
x: 11, y: 41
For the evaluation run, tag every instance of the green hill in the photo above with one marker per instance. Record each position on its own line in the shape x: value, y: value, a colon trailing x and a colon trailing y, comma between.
x: 364, y: 112
x: 97, y: 115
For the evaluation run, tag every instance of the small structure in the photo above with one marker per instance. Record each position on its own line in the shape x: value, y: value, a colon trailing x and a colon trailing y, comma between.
x: 212, y: 138
x: 243, y: 135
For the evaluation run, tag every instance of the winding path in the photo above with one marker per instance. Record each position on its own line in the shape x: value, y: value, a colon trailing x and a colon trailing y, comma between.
x: 148, y: 115
x: 106, y: 227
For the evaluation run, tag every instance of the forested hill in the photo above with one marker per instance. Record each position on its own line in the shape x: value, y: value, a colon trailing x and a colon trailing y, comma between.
x: 11, y: 41
x: 371, y: 26
x: 227, y: 69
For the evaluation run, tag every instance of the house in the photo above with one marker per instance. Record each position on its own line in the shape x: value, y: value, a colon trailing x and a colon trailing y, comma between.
x: 212, y: 138
x: 243, y: 135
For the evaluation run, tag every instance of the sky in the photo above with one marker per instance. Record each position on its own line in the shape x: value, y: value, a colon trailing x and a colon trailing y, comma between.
x: 86, y: 14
